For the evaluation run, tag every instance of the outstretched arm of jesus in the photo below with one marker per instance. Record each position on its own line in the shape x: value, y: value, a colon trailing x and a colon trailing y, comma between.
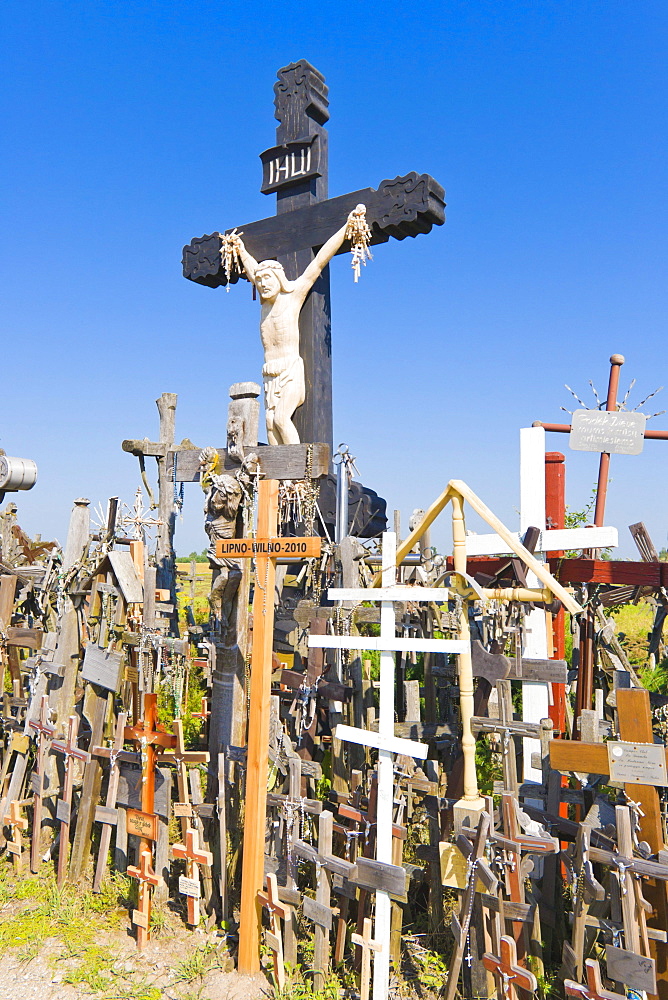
x: 247, y: 259
x: 305, y: 282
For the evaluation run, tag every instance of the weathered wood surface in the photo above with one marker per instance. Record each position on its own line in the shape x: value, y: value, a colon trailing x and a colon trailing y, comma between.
x: 286, y: 461
x: 102, y: 667
x: 401, y: 207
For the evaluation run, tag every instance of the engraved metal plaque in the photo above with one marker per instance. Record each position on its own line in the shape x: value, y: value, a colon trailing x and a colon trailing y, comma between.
x: 637, y: 763
x: 618, y: 433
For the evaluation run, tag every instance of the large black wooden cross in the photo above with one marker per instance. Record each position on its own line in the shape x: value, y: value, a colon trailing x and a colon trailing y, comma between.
x: 296, y: 170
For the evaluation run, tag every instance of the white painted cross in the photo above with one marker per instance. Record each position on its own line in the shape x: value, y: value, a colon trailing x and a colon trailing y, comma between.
x: 535, y: 694
x: 384, y: 740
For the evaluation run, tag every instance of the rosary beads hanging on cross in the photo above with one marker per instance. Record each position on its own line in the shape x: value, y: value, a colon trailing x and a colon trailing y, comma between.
x: 357, y: 233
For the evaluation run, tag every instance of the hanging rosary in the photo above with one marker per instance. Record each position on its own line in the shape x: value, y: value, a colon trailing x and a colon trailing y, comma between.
x: 229, y: 255
x: 359, y: 236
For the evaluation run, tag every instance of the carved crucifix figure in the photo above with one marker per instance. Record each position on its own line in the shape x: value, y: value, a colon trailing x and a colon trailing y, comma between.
x: 282, y: 301
x: 295, y: 170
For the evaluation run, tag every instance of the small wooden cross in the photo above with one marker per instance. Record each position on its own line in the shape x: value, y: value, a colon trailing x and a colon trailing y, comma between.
x: 44, y: 731
x: 149, y: 735
x: 594, y: 988
x: 194, y: 857
x: 107, y: 814
x: 181, y: 757
x: 367, y: 944
x: 508, y: 971
x: 64, y: 806
x: 460, y: 923
x: 277, y: 910
x: 205, y: 712
x: 147, y: 878
x: 16, y: 821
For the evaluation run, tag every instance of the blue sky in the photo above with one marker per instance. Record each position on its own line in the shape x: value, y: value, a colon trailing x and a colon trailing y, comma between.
x: 132, y: 127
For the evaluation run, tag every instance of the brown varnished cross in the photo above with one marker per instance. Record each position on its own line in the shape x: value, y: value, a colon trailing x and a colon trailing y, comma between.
x: 594, y: 988
x: 508, y: 971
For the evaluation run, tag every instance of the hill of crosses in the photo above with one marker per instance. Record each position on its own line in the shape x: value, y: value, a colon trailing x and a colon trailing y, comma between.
x: 354, y: 763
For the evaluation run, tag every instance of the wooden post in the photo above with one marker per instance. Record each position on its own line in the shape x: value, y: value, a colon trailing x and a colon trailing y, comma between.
x: 64, y: 807
x: 108, y: 814
x: 367, y: 944
x: 164, y: 551
x: 471, y: 805
x: 322, y: 896
x: 252, y: 878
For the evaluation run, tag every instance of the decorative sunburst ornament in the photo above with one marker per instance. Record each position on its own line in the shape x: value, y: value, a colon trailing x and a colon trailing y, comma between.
x: 137, y: 519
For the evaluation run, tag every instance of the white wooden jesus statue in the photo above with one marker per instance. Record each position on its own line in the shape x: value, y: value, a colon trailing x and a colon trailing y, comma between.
x: 281, y: 301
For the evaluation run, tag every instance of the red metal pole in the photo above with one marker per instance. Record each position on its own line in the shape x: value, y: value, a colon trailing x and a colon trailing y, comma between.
x: 616, y: 362
x: 555, y: 514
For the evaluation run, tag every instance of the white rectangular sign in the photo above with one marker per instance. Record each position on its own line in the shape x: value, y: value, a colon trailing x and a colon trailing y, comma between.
x: 617, y: 433
x: 412, y: 645
x: 394, y: 744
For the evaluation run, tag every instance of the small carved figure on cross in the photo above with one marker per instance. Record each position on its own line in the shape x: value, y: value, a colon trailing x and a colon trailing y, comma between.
x: 282, y: 301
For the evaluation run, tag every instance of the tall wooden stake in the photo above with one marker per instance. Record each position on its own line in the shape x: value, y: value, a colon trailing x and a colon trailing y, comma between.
x: 252, y: 873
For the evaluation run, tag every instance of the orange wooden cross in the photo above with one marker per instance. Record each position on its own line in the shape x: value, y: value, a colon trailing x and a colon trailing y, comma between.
x: 594, y: 988
x: 17, y: 822
x: 508, y: 971
x: 147, y: 878
x: 150, y: 735
x: 194, y: 857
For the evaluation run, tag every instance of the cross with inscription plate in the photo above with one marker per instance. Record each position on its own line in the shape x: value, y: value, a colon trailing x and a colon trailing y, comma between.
x: 296, y: 171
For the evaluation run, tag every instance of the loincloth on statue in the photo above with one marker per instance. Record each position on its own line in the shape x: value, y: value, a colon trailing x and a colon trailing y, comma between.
x: 276, y: 374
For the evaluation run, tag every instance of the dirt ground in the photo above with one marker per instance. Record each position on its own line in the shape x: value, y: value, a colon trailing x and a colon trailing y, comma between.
x: 134, y: 977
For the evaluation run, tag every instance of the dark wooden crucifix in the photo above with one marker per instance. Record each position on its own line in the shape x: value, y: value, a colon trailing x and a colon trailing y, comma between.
x: 296, y: 170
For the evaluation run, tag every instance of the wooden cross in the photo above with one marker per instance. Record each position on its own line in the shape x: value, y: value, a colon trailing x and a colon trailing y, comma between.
x: 384, y: 740
x: 141, y: 917
x: 635, y: 726
x: 17, y: 822
x: 266, y: 548
x: 508, y: 972
x: 367, y: 944
x: 71, y: 752
x: 478, y: 868
x: 296, y: 169
x: 108, y: 814
x: 181, y: 758
x: 594, y: 988
x: 194, y: 857
x: 277, y: 910
x: 45, y: 732
x: 149, y: 735
x: 203, y: 714
x: 587, y: 889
